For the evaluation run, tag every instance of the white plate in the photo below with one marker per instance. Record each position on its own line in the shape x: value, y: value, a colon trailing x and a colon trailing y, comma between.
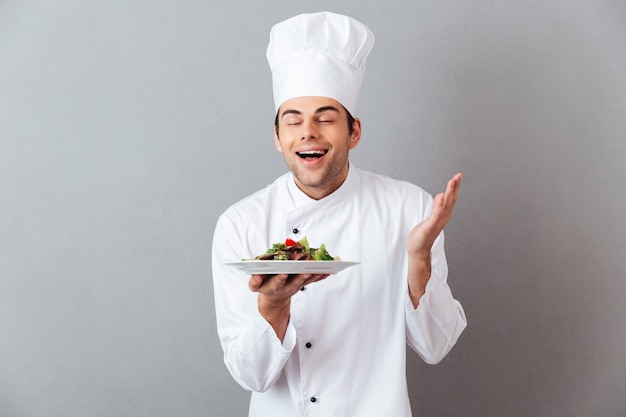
x: 291, y: 267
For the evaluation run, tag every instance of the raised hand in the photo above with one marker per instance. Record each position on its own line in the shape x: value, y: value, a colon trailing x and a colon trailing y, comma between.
x: 423, y: 236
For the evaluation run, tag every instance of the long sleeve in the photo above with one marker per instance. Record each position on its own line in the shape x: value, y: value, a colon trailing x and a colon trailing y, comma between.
x: 345, y: 348
x: 434, y: 327
x: 252, y: 353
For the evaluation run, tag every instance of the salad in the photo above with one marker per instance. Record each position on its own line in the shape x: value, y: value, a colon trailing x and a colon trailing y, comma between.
x: 291, y: 250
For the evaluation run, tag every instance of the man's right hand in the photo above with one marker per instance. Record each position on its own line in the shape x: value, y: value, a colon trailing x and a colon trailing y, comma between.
x: 275, y: 292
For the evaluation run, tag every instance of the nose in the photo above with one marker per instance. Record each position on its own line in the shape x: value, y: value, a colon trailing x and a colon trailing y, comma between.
x: 309, y: 130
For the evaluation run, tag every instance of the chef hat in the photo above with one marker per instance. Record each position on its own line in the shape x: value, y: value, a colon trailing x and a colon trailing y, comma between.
x: 319, y: 54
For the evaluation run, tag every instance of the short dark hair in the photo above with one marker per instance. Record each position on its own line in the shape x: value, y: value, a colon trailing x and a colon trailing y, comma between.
x: 351, y: 121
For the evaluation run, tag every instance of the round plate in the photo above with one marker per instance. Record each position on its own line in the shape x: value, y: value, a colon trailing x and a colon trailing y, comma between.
x: 291, y: 267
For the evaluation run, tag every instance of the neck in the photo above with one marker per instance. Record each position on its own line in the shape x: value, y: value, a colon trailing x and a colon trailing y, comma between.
x: 324, y: 190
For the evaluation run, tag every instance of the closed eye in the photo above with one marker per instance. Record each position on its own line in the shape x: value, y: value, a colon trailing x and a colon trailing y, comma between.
x: 292, y: 121
x: 326, y: 119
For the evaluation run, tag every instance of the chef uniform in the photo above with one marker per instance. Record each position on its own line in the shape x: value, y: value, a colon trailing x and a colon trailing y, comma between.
x: 344, y: 352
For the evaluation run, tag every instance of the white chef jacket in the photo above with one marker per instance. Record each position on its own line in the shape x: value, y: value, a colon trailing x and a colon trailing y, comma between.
x: 344, y: 353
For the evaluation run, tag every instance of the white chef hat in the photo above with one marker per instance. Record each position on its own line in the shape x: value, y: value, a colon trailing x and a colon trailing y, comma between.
x: 319, y: 54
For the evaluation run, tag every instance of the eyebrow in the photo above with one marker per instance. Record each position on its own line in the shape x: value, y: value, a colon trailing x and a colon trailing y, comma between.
x: 320, y: 110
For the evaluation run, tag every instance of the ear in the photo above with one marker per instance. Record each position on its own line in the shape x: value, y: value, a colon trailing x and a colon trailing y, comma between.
x: 356, y: 133
x: 277, y: 141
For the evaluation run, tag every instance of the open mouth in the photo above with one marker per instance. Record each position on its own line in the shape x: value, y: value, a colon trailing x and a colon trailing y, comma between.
x: 311, y: 154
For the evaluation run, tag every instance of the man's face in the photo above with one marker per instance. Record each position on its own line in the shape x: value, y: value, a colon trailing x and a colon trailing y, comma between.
x: 314, y: 138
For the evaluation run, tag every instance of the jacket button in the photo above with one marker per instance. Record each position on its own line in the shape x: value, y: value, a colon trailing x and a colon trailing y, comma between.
x: 308, y: 345
x: 313, y: 399
x: 295, y: 231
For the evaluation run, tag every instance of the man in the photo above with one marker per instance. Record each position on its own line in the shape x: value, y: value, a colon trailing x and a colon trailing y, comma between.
x: 313, y: 344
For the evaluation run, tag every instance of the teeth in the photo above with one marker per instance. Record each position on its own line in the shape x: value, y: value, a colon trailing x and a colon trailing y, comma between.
x: 311, y: 153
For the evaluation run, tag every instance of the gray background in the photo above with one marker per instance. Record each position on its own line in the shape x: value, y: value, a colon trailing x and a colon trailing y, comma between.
x: 127, y: 127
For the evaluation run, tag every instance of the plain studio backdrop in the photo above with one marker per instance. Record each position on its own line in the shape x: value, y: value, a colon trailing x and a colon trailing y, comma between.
x: 126, y: 128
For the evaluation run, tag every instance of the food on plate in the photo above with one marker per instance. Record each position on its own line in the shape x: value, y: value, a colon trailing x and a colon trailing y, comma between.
x: 291, y: 250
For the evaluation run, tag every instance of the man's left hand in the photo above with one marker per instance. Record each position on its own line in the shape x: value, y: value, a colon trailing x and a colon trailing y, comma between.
x: 423, y: 236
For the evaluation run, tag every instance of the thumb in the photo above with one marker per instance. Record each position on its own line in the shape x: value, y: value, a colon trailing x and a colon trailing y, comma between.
x: 255, y: 282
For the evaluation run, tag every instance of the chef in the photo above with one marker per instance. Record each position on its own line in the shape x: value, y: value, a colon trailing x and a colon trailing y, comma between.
x: 314, y: 344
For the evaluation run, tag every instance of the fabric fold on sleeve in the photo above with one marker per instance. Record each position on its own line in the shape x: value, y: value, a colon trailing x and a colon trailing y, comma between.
x: 257, y: 358
x: 434, y: 327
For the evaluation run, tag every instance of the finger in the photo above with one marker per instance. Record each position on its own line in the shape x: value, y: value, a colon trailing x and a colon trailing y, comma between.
x: 278, y: 280
x: 453, y: 186
x: 314, y: 278
x: 288, y: 282
x: 323, y: 277
x: 306, y: 279
x: 452, y: 190
x: 437, y: 207
x: 255, y: 282
x: 457, y: 177
x: 258, y: 280
x: 457, y: 184
x: 439, y: 201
